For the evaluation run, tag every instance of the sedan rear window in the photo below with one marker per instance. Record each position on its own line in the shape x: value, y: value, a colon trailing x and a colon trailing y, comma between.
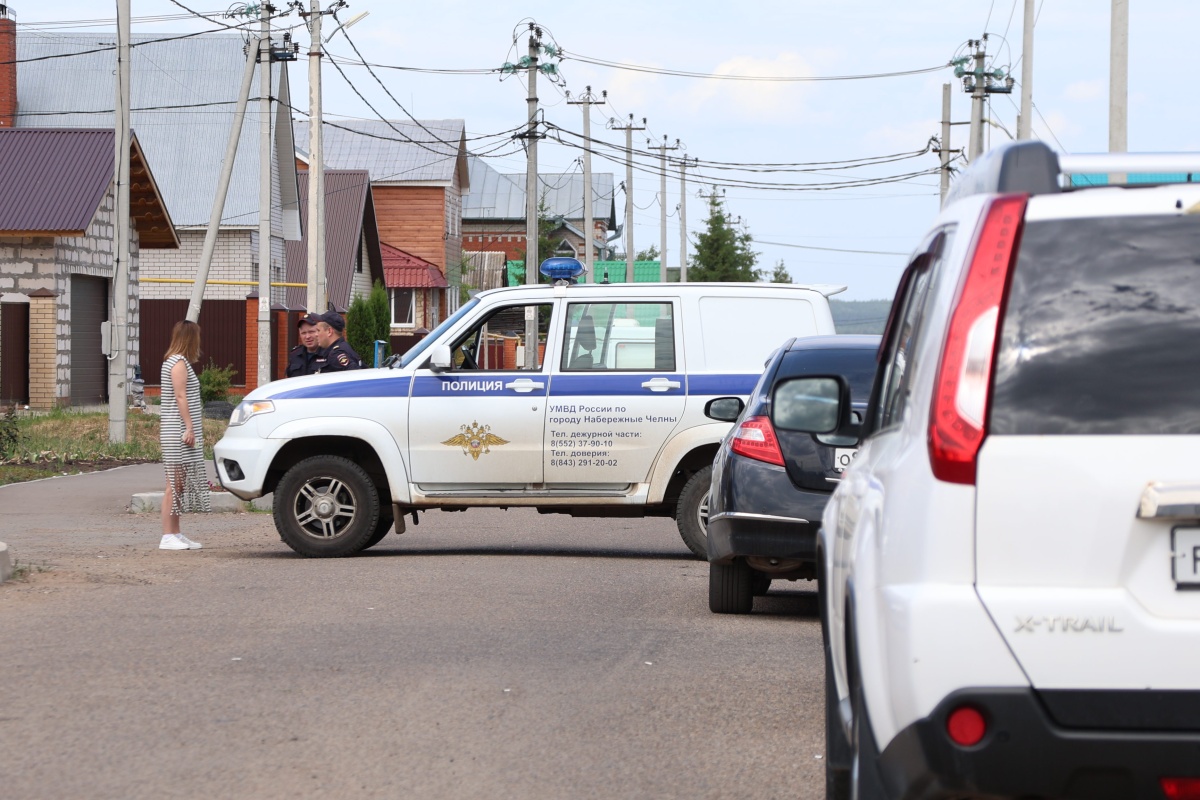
x: 1101, y: 334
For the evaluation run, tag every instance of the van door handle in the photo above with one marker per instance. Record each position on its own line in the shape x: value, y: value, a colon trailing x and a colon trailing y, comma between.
x: 661, y: 384
x: 524, y: 385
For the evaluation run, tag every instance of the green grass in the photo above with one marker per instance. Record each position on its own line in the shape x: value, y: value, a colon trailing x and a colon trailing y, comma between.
x: 21, y: 572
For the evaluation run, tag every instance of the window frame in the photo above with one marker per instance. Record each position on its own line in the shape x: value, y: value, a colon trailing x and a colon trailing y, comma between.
x: 412, y: 306
x: 603, y: 342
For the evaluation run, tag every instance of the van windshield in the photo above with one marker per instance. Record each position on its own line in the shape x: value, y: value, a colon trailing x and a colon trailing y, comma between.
x: 433, y: 335
x: 1101, y: 329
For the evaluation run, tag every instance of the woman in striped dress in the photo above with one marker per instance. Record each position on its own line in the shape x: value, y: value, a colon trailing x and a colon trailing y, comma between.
x: 181, y: 436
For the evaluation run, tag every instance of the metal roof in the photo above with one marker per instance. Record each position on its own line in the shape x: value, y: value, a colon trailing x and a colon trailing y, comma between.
x: 496, y: 195
x: 393, y: 151
x: 403, y: 269
x: 55, y: 180
x: 183, y: 94
x: 349, y: 214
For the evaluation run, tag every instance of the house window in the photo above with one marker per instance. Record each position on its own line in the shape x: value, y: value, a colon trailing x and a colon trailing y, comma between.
x: 565, y: 249
x: 436, y: 301
x: 403, y: 307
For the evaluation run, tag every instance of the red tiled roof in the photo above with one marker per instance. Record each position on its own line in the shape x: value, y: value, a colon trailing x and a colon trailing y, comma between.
x: 404, y: 270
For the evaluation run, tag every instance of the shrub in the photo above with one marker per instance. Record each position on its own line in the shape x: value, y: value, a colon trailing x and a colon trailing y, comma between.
x: 10, y: 433
x: 215, y: 382
x: 367, y: 320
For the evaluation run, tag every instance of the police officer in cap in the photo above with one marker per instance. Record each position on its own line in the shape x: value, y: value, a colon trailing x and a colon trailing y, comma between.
x: 303, y: 358
x: 339, y: 356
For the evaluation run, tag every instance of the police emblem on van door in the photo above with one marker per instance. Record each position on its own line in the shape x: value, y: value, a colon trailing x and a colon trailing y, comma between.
x: 475, y: 440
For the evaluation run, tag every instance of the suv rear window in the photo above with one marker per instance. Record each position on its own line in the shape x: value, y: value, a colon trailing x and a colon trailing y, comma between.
x: 1101, y: 334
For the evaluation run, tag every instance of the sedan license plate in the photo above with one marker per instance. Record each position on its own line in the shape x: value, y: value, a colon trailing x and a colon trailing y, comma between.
x: 842, y: 456
x: 1185, y: 557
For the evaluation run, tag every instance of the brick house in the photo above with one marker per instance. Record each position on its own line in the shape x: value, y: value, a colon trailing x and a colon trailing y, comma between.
x: 494, y: 212
x: 418, y: 179
x: 57, y: 223
x: 181, y: 92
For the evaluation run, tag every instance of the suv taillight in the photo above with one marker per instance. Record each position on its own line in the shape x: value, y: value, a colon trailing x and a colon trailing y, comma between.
x: 755, y: 438
x: 958, y: 418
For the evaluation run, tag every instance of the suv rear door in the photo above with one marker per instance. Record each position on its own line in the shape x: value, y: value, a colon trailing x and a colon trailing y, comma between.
x: 1096, y: 395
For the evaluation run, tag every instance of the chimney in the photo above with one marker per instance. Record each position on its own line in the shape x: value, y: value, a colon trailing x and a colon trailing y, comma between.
x: 8, y: 66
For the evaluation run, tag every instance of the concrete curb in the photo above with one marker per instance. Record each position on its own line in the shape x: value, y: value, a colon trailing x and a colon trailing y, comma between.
x: 6, y: 567
x: 146, y: 502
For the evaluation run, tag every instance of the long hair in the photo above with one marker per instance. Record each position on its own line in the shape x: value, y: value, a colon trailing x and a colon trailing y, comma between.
x: 185, y: 341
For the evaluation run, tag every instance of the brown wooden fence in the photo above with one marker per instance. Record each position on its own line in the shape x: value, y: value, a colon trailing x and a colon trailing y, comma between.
x: 222, y: 335
x: 14, y: 353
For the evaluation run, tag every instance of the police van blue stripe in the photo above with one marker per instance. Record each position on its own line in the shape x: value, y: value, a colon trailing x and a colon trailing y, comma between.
x: 477, y: 385
x: 722, y: 384
x: 380, y: 387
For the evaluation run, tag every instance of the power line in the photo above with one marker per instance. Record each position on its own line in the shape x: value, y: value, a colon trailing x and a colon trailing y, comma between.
x: 833, y: 249
x: 678, y: 73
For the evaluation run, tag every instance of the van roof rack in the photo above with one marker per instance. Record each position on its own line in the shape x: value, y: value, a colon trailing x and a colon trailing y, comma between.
x: 1031, y: 167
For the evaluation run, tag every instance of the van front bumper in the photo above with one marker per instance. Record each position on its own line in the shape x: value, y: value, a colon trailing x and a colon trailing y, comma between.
x: 242, y: 463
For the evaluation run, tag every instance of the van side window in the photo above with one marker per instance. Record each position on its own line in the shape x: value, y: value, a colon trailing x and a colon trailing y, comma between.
x: 498, y: 342
x: 637, y: 337
x: 897, y: 363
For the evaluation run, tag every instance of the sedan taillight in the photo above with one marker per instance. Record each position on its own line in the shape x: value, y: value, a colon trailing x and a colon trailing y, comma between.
x: 755, y: 438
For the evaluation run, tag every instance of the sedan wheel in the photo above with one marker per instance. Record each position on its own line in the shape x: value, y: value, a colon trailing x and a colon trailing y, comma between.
x: 730, y: 588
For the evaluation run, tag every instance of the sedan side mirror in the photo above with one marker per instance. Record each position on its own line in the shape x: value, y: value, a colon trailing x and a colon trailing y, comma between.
x: 811, y: 405
x: 439, y: 358
x: 724, y: 409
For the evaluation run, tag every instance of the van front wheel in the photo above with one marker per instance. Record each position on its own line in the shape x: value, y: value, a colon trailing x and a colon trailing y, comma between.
x: 691, y: 512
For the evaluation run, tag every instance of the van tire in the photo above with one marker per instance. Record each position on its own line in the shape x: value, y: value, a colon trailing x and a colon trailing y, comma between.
x: 691, y: 512
x: 382, y: 528
x: 730, y: 588
x: 351, y: 502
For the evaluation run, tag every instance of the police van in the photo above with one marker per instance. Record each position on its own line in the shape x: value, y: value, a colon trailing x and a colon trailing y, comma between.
x: 605, y: 419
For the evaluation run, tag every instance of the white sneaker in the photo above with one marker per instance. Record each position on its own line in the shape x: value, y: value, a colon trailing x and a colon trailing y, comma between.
x: 173, y: 541
x: 191, y: 545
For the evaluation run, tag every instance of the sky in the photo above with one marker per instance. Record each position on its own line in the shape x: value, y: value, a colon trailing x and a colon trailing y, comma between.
x: 857, y: 237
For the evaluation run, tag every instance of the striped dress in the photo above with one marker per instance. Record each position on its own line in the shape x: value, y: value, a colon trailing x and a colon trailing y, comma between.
x: 184, y: 465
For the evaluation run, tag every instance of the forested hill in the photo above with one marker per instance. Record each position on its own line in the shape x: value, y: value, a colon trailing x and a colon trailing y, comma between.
x: 859, y: 316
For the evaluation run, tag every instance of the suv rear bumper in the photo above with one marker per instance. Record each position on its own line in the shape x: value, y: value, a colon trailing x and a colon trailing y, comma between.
x: 1026, y: 753
x: 736, y: 535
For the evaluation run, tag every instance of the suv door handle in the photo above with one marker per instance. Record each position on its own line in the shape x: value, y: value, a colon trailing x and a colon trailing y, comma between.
x: 524, y: 385
x: 661, y: 384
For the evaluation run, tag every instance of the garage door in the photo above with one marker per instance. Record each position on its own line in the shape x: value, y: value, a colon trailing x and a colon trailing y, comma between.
x: 89, y: 367
x: 14, y: 353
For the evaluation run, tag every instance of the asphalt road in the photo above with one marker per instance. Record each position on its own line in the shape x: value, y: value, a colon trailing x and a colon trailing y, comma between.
x: 482, y: 654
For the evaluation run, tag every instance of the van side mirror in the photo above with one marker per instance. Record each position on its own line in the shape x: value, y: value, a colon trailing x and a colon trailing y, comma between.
x: 724, y: 409
x: 439, y: 358
x: 811, y: 405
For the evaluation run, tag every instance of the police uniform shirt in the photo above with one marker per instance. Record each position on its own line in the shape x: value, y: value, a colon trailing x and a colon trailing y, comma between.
x: 340, y: 357
x: 301, y: 361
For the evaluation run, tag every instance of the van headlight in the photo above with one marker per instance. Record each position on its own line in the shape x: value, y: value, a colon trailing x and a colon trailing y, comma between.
x: 247, y: 409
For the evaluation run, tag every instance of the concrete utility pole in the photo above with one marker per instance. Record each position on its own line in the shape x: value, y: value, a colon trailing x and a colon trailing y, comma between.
x: 944, y: 145
x: 589, y: 226
x: 118, y: 364
x: 629, y: 251
x: 1025, y: 123
x: 264, y: 195
x: 218, y: 208
x: 978, y: 95
x: 315, y: 299
x: 662, y: 205
x: 531, y: 197
x: 1118, y: 83
x: 683, y: 238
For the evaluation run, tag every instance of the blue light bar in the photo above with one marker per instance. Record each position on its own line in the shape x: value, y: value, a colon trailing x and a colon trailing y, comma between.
x: 562, y: 269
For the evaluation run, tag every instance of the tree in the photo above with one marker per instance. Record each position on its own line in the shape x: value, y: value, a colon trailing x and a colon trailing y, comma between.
x: 722, y: 252
x: 649, y: 254
x: 547, y: 225
x: 369, y: 319
x: 781, y: 275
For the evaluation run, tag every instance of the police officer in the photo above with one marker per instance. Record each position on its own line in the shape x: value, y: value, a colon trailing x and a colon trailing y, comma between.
x: 339, y: 356
x: 302, y: 360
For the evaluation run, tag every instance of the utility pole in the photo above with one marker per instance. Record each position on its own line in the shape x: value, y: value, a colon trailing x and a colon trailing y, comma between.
x: 316, y: 296
x: 264, y: 194
x: 587, y: 101
x: 531, y: 197
x: 1025, y: 123
x: 944, y: 145
x: 683, y: 238
x: 118, y: 364
x: 214, y: 218
x: 629, y: 251
x: 662, y: 205
x: 1118, y: 83
x: 978, y: 83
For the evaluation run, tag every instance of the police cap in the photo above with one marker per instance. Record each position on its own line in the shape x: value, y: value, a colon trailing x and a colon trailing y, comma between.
x: 334, y: 320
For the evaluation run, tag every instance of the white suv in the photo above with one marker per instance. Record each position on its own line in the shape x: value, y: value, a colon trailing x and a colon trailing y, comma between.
x: 609, y: 420
x: 1011, y: 564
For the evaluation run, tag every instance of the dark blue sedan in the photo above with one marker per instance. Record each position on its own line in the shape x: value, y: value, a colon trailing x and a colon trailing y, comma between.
x: 770, y: 484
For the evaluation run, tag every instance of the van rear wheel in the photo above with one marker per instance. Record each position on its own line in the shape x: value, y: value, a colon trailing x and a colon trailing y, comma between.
x: 691, y: 512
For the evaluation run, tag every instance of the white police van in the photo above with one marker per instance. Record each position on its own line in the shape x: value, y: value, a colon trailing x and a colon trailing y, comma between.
x: 1010, y: 565
x: 607, y: 420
